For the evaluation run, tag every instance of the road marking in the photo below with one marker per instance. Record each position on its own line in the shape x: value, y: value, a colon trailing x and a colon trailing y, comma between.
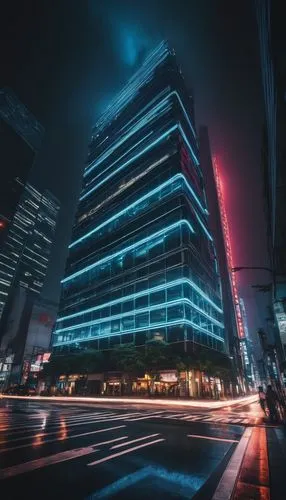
x: 228, y: 480
x: 18, y: 428
x: 124, y: 452
x: 213, y: 438
x: 176, y: 415
x: 32, y: 465
x: 134, y: 441
x: 144, y: 418
x: 60, y: 438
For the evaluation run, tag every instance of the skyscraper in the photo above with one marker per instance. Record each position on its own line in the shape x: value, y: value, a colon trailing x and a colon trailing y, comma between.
x: 142, y: 262
x: 20, y: 138
x: 216, y: 226
x: 24, y: 261
x: 24, y: 256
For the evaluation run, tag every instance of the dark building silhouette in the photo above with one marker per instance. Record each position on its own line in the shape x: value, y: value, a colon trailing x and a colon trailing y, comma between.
x: 20, y: 139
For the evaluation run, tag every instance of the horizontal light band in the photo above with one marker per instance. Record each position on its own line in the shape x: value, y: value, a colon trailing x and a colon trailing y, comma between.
x: 130, y: 247
x: 158, y: 288
x: 131, y: 160
x: 140, y: 311
x: 143, y: 198
x: 140, y: 78
x: 141, y: 329
x: 139, y: 125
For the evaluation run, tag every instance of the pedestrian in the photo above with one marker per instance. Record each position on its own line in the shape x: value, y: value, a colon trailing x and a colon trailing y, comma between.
x: 272, y: 400
x: 262, y: 398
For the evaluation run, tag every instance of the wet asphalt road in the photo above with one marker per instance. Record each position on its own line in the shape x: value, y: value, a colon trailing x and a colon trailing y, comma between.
x: 74, y: 451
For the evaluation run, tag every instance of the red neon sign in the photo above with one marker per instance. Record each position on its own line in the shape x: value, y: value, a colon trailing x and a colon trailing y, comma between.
x: 227, y: 242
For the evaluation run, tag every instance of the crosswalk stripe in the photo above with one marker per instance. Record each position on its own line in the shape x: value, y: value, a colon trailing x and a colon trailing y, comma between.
x: 18, y: 428
x: 43, y: 434
x: 53, y: 440
x: 125, y: 452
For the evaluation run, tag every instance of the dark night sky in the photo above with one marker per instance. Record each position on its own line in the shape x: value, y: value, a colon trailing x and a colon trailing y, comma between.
x: 65, y: 59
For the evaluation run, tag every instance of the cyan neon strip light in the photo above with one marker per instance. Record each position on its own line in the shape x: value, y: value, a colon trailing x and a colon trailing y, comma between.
x: 134, y: 296
x: 141, y: 329
x: 131, y: 160
x: 130, y: 247
x: 140, y: 78
x: 141, y: 124
x: 123, y: 187
x: 138, y: 155
x: 100, y: 174
x: 134, y: 128
x: 140, y: 200
x: 134, y: 312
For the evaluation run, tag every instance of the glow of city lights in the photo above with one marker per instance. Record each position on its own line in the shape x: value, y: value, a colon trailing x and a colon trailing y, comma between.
x: 148, y: 402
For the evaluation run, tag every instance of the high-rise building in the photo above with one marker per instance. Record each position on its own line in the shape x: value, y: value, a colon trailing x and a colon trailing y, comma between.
x: 24, y: 261
x: 24, y: 256
x: 271, y: 31
x: 20, y: 138
x: 218, y: 231
x: 142, y: 262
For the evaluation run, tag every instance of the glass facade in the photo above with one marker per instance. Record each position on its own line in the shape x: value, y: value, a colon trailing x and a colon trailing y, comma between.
x: 25, y: 254
x: 142, y: 259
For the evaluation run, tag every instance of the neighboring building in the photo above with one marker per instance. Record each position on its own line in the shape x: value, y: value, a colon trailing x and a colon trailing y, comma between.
x: 23, y: 266
x: 247, y: 349
x: 271, y: 30
x: 24, y: 256
x: 142, y: 262
x: 20, y: 138
x: 217, y: 229
x: 28, y: 337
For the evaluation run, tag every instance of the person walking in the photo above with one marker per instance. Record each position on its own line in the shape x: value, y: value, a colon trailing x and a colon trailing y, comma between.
x: 262, y: 399
x: 272, y: 400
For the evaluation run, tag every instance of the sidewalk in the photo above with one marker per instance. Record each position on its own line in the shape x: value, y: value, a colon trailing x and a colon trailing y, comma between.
x: 263, y: 470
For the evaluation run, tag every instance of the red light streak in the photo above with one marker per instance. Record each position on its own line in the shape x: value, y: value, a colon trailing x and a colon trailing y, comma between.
x: 227, y: 242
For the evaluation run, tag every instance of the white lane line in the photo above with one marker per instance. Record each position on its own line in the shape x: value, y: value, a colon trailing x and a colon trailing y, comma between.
x: 211, y: 438
x: 53, y: 440
x: 144, y: 418
x: 189, y: 417
x: 195, y: 419
x: 124, y: 452
x: 227, y: 483
x: 134, y: 441
x: 175, y: 415
x: 32, y: 465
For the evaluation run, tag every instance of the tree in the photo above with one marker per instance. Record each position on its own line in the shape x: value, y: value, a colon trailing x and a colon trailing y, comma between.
x: 130, y: 360
x: 155, y: 359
